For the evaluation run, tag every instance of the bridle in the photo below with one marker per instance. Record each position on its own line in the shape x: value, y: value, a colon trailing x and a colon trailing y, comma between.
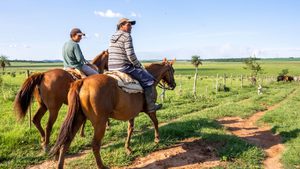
x: 162, y: 85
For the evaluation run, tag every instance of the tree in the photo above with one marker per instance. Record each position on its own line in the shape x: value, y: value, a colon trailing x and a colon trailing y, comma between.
x: 255, y: 68
x: 4, y: 61
x: 196, y: 61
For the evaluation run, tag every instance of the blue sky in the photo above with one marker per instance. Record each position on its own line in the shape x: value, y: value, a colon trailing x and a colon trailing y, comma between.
x: 37, y: 29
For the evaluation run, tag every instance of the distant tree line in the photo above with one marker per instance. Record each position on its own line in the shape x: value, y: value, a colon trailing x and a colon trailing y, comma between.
x: 229, y: 59
x: 36, y: 61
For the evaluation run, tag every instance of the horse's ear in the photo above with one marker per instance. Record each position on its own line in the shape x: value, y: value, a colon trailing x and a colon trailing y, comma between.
x: 173, y: 61
x: 165, y: 60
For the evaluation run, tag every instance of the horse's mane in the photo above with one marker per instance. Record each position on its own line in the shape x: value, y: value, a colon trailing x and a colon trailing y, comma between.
x: 101, y: 61
x: 98, y: 56
x: 154, y: 67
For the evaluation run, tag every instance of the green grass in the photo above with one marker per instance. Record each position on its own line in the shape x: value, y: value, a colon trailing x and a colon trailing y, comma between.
x: 185, y: 116
x: 286, y: 122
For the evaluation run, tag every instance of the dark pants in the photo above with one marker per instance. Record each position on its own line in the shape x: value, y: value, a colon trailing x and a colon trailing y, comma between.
x: 145, y: 78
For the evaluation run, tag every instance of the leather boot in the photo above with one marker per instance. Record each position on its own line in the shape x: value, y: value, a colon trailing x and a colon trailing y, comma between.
x: 150, y: 100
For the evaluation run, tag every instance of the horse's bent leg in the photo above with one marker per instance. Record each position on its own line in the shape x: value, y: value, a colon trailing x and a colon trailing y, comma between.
x: 82, y: 129
x: 98, y: 135
x: 129, y: 133
x: 37, y: 121
x: 53, y: 112
x: 155, y: 123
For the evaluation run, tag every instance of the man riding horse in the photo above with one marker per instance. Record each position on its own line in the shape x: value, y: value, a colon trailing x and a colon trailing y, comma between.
x: 73, y: 57
x: 122, y: 58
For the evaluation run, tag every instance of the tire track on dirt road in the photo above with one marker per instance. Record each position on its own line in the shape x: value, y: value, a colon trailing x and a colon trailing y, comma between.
x: 260, y: 136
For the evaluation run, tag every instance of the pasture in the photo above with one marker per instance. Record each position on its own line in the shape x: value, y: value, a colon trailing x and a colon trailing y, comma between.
x: 183, y: 116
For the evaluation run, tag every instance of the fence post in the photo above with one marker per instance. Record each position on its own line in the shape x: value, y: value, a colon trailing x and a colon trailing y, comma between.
x: 217, y: 81
x: 162, y: 95
x: 241, y: 81
x: 231, y: 80
x: 224, y: 79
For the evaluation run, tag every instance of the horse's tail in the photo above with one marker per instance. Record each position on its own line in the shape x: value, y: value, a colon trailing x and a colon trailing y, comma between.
x: 73, y: 120
x: 24, y: 96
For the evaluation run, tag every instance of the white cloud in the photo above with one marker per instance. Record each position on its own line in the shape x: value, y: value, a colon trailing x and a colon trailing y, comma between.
x: 13, y: 46
x: 108, y: 13
x: 133, y: 14
x: 97, y: 35
x: 26, y: 46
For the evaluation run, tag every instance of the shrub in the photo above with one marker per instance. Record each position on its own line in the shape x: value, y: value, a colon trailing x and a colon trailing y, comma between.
x: 13, y: 74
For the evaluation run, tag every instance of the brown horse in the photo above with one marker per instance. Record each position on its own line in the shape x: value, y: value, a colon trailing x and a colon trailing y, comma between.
x: 50, y: 89
x: 98, y: 98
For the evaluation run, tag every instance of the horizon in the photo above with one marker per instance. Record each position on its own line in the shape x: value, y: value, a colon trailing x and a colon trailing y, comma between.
x: 233, y: 58
x: 35, y: 30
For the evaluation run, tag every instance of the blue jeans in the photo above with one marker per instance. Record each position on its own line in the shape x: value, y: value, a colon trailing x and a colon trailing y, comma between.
x: 145, y: 78
x: 88, y: 70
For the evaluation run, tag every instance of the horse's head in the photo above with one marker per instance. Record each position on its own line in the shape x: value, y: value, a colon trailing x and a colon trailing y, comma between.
x: 101, y: 61
x: 168, y: 74
x: 163, y: 72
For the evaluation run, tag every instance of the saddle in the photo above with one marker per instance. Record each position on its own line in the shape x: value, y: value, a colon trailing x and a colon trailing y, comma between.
x: 126, y: 82
x: 77, y: 74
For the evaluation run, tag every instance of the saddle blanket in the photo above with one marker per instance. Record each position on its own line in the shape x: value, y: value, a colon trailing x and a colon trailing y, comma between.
x: 126, y: 82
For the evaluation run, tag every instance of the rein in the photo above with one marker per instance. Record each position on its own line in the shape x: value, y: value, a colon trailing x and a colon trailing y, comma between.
x: 162, y: 85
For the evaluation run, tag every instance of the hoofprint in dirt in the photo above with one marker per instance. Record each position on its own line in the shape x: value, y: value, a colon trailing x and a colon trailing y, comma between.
x: 188, y: 154
x: 259, y: 136
x: 51, y: 164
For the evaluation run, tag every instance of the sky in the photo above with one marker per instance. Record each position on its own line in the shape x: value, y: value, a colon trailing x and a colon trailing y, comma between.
x: 37, y: 29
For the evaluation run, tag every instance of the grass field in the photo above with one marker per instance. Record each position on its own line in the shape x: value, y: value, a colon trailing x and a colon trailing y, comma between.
x: 185, y: 117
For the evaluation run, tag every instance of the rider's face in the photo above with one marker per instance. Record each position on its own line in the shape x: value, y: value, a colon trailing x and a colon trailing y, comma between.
x: 77, y: 38
x: 126, y: 27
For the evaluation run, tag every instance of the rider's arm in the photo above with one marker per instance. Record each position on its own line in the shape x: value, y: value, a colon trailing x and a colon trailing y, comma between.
x: 78, y: 54
x: 130, y: 52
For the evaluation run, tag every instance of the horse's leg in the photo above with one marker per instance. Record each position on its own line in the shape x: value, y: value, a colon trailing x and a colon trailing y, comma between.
x: 82, y: 129
x: 37, y: 121
x: 96, y: 144
x: 61, y: 158
x: 129, y: 133
x: 53, y: 112
x: 155, y: 123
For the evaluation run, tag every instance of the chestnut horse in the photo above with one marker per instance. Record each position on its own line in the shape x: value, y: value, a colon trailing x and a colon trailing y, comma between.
x: 98, y: 98
x: 50, y: 89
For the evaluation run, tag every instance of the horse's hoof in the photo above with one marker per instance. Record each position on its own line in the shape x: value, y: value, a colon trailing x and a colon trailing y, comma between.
x: 128, y: 151
x: 45, y: 148
x: 156, y: 140
x: 56, y: 156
